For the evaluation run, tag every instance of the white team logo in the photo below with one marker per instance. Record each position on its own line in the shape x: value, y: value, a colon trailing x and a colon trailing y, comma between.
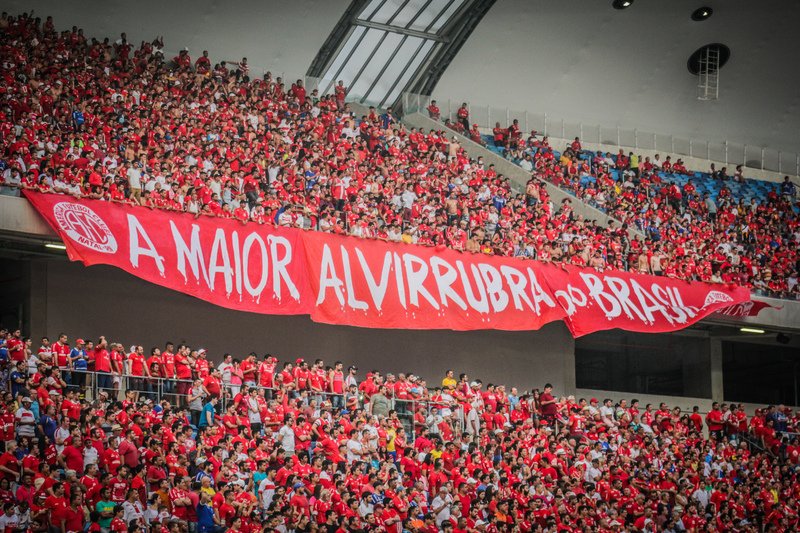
x: 83, y: 226
x: 715, y: 297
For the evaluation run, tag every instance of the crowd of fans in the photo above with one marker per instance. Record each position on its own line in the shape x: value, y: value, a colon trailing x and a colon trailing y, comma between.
x: 112, y: 121
x: 687, y: 234
x: 97, y: 437
x: 262, y: 445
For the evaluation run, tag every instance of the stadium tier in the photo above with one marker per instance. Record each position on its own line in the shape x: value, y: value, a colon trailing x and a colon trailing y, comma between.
x: 103, y: 436
x: 186, y: 135
x: 166, y: 439
x: 713, y: 226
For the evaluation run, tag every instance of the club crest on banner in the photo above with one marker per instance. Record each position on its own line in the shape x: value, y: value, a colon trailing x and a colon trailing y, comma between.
x: 716, y: 297
x: 85, y: 227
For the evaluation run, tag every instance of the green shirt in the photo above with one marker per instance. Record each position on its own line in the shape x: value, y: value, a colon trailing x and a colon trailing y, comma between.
x: 105, y: 506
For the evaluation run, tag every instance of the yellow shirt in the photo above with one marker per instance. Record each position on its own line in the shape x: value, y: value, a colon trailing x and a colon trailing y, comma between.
x: 449, y: 383
x: 390, y: 436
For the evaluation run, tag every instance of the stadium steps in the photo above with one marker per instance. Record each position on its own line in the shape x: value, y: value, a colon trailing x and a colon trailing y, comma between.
x: 518, y: 176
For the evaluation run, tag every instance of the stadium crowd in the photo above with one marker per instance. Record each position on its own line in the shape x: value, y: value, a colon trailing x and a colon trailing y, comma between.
x: 113, y: 121
x: 687, y: 234
x: 262, y: 445
x: 97, y: 437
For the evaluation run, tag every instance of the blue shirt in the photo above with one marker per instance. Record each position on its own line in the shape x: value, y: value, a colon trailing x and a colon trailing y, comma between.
x: 258, y: 477
x: 15, y: 387
x: 204, y: 415
x: 78, y: 357
x: 205, y: 517
x: 49, y: 426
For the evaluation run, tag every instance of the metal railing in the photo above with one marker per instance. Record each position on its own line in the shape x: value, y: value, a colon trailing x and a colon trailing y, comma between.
x: 176, y: 391
x: 724, y: 152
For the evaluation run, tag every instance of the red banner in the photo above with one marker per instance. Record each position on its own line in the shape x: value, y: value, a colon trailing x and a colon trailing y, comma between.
x: 351, y: 281
x: 746, y: 309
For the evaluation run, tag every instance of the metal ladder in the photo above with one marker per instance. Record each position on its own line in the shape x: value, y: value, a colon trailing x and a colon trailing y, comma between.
x: 708, y: 75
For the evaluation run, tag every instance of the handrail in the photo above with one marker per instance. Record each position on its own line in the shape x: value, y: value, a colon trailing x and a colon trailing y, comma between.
x: 725, y: 152
x: 399, y: 405
x: 160, y: 388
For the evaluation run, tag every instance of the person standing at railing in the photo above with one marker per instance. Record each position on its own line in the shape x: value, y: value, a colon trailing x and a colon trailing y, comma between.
x: 184, y: 361
x: 168, y: 367
x: 351, y: 378
x: 248, y: 370
x: 266, y: 374
x: 336, y: 384
x: 201, y: 364
x: 714, y: 421
x: 226, y: 369
x: 61, y: 353
x: 117, y: 360
x: 312, y: 379
x: 195, y: 400
x: 137, y: 369
x: 79, y: 362
x: 102, y: 365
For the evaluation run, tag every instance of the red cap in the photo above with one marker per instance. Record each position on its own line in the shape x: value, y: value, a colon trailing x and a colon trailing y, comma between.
x: 79, y: 341
x: 593, y: 400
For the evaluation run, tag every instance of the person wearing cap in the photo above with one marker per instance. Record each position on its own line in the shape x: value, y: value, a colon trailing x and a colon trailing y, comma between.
x: 79, y: 362
x: 25, y: 420
x: 299, y: 500
x: 351, y: 379
x: 201, y: 364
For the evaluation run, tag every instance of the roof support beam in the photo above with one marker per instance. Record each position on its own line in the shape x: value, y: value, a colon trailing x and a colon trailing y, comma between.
x: 402, y: 31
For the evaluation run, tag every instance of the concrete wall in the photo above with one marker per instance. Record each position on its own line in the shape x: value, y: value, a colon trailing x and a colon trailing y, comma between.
x: 19, y: 218
x: 99, y: 300
x: 585, y: 61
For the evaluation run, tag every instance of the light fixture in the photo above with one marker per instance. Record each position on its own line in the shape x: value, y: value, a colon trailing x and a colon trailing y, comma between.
x: 702, y: 13
x: 55, y: 246
x: 621, y: 4
x: 752, y: 330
